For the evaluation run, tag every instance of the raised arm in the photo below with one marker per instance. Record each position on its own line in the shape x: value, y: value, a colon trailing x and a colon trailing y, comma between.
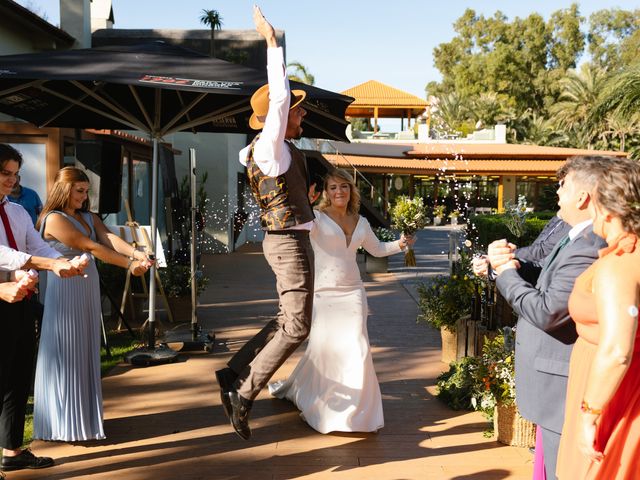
x: 269, y: 152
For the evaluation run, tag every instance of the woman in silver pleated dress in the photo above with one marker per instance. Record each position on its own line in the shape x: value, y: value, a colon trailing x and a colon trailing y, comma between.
x: 68, y: 391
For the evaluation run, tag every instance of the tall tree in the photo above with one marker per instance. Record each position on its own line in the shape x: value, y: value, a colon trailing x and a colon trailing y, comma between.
x: 621, y: 94
x: 214, y: 20
x: 579, y: 98
x: 614, y: 38
x: 299, y: 73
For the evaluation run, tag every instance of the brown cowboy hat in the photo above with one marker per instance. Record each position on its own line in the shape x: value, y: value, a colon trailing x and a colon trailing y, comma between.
x: 260, y: 105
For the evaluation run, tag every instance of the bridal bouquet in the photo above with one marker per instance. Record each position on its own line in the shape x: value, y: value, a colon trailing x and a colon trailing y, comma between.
x: 409, y: 215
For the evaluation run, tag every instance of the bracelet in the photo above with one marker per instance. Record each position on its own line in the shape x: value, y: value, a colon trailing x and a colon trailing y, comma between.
x: 586, y: 408
x: 131, y: 260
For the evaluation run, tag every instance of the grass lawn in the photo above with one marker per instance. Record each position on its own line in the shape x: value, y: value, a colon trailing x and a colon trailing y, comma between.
x: 120, y: 343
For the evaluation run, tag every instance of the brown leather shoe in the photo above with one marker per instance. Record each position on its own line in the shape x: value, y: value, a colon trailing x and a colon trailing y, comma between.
x: 226, y: 378
x: 25, y: 459
x: 240, y: 409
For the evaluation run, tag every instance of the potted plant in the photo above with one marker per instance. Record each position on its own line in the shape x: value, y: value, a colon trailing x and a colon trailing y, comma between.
x: 446, y: 304
x: 495, y: 393
x: 454, y: 217
x: 176, y: 281
x: 379, y: 264
x: 438, y: 214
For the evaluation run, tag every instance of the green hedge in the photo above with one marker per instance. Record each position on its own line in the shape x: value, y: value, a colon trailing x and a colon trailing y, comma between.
x: 484, y: 229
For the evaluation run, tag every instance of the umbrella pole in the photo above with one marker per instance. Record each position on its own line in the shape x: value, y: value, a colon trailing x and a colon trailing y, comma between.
x: 152, y: 278
x: 194, y: 315
x: 178, y: 339
x: 152, y: 355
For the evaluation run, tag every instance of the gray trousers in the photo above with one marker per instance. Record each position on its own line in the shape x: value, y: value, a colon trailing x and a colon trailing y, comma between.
x: 550, y: 446
x: 290, y: 256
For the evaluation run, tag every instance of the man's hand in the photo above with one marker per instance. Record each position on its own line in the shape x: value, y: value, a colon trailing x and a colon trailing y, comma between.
x: 312, y: 194
x: 500, y: 252
x: 25, y: 281
x: 264, y: 28
x: 11, y: 292
x: 511, y: 264
x: 64, y: 268
x: 480, y: 266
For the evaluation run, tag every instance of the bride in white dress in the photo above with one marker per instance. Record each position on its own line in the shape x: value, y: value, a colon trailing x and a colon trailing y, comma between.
x: 335, y: 385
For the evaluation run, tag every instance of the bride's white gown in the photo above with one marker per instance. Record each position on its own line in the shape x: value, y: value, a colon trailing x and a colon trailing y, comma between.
x: 335, y: 385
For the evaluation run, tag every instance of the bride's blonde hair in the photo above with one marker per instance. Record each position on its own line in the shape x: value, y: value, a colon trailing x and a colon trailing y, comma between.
x: 339, y: 174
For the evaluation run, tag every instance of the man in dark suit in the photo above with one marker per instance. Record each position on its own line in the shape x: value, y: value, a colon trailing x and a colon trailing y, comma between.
x: 539, y: 294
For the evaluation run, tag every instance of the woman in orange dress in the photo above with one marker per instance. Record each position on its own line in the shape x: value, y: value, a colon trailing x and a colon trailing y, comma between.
x: 601, y: 433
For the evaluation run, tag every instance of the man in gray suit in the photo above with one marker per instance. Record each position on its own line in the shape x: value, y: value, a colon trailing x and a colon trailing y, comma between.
x: 539, y: 294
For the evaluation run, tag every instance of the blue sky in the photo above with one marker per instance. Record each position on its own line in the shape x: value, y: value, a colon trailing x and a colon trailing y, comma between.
x: 343, y: 43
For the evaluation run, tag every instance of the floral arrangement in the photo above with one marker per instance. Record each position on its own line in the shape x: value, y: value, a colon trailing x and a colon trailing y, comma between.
x: 495, y: 375
x: 409, y: 215
x: 176, y: 279
x: 454, y: 214
x: 445, y: 300
x: 516, y: 216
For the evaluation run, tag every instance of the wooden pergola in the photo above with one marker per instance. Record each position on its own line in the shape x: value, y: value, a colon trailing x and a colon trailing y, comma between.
x: 375, y: 100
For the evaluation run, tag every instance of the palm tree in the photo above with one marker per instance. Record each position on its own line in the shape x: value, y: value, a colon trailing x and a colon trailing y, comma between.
x: 449, y: 112
x: 622, y: 94
x: 542, y: 131
x: 487, y: 109
x: 214, y: 20
x: 621, y: 127
x: 577, y: 102
x: 300, y: 73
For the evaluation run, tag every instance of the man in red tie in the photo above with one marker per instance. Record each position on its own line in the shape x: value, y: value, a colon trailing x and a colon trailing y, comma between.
x: 17, y: 332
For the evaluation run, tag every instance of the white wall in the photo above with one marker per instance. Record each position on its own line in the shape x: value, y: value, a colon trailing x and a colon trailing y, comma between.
x: 217, y: 154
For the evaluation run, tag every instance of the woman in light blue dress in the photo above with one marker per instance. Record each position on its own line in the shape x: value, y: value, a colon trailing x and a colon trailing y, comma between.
x: 68, y: 392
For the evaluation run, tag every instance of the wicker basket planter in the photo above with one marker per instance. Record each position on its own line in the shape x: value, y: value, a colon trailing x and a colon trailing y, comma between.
x: 453, y: 342
x: 511, y: 429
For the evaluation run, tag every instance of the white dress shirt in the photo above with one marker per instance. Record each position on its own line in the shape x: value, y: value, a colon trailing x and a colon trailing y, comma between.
x: 28, y: 240
x: 577, y: 229
x: 270, y: 151
x: 11, y: 259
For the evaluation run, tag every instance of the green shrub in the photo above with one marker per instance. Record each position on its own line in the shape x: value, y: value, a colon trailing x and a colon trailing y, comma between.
x: 446, y: 299
x: 488, y: 228
x: 176, y: 279
x: 456, y: 386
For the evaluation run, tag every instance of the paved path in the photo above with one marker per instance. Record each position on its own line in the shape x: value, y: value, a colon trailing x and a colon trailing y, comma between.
x: 165, y: 422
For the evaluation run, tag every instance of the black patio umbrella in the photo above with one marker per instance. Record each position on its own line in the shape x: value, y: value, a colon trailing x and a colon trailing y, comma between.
x: 155, y: 88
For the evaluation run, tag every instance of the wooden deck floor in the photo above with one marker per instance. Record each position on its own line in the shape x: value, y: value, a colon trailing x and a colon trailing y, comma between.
x: 166, y: 422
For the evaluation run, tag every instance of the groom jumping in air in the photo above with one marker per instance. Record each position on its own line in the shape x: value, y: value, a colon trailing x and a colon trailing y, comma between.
x: 278, y: 177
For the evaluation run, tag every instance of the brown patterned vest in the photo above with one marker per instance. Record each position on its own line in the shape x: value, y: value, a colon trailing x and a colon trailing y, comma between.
x: 283, y: 199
